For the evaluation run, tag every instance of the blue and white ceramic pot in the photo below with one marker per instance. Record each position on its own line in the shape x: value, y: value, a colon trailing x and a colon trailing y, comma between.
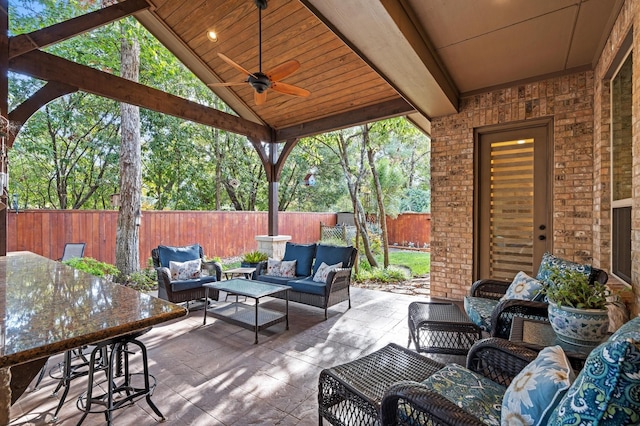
x: 584, y: 327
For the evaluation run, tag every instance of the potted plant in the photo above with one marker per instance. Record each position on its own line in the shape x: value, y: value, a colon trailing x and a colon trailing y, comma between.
x: 252, y: 259
x: 577, y: 309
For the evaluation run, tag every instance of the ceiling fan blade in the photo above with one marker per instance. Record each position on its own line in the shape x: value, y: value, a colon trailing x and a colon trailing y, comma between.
x: 233, y: 83
x: 260, y: 98
x: 236, y: 66
x: 289, y: 89
x: 283, y: 70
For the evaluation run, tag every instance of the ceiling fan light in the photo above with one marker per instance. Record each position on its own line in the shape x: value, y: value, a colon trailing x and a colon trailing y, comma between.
x: 211, y: 35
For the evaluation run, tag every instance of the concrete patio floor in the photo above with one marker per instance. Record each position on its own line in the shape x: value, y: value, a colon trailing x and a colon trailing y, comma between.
x: 215, y: 375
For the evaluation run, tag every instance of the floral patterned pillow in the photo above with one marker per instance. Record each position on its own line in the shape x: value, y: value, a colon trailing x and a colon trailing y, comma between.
x: 537, y: 389
x: 523, y: 287
x: 323, y: 271
x: 188, y: 270
x: 281, y: 268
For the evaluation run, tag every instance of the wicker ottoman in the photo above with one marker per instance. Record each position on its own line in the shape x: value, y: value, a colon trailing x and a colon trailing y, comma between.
x: 441, y: 328
x: 350, y: 394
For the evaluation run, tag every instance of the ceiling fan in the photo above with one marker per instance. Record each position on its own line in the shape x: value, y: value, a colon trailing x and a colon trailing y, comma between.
x: 268, y: 80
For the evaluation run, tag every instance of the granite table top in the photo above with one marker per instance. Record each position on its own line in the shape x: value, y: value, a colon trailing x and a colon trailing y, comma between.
x: 47, y: 308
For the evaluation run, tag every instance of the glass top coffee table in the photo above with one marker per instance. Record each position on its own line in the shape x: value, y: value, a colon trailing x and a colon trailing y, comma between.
x: 242, y: 314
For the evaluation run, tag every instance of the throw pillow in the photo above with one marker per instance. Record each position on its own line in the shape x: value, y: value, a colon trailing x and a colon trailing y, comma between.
x: 188, y: 270
x: 537, y: 389
x: 606, y: 390
x: 323, y: 271
x: 281, y: 268
x: 549, y: 260
x: 523, y: 287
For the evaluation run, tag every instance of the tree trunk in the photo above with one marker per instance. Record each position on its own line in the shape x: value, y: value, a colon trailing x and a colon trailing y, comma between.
x: 381, y: 210
x: 127, y: 238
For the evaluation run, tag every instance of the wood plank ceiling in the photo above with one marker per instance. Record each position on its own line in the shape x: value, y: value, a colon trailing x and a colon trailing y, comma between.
x: 340, y: 82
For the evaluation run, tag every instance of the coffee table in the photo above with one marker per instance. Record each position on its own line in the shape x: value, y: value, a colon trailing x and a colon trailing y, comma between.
x: 242, y: 314
x: 441, y: 328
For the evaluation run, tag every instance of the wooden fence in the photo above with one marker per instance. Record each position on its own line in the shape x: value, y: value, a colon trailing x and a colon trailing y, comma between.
x: 223, y: 234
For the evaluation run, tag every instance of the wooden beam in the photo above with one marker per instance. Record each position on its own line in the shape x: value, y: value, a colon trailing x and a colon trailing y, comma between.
x: 381, y: 111
x: 48, y: 67
x: 20, y: 114
x: 24, y: 43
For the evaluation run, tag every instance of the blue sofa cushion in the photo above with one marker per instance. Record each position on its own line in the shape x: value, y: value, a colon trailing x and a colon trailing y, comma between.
x: 308, y: 285
x: 191, y: 284
x: 273, y: 279
x: 332, y: 255
x: 304, y: 254
x: 177, y: 254
x: 479, y: 311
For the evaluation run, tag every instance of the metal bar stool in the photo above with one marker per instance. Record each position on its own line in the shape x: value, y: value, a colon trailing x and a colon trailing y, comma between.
x: 121, y: 391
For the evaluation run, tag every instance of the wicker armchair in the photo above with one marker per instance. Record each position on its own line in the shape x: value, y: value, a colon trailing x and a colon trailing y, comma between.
x: 185, y: 290
x: 503, y: 313
x: 412, y: 403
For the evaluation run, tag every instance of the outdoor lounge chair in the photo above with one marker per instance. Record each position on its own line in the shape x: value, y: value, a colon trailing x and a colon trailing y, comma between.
x: 491, y: 305
x: 184, y: 290
x: 72, y: 250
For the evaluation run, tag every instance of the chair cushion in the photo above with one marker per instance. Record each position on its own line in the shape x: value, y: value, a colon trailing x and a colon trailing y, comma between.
x: 185, y: 270
x: 549, y: 260
x: 281, y: 268
x: 276, y: 280
x: 303, y: 254
x: 537, y: 389
x: 191, y: 284
x: 479, y: 311
x: 332, y: 255
x: 523, y: 287
x: 630, y: 330
x: 323, y: 272
x: 470, y: 391
x: 607, y: 390
x: 177, y: 254
x: 307, y: 285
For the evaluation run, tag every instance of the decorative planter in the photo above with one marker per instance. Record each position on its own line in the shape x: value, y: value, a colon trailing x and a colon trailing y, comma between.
x: 583, y: 327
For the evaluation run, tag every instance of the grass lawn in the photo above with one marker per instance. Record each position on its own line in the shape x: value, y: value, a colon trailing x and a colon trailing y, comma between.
x: 418, y: 261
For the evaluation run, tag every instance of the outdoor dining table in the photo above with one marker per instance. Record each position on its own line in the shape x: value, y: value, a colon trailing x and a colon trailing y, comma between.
x: 47, y: 308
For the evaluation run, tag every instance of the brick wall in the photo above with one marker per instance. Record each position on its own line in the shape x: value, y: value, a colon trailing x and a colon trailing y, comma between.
x: 579, y: 105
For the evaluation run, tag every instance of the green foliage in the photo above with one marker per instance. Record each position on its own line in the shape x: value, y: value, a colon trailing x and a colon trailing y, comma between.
x: 254, y: 257
x: 141, y: 281
x: 417, y: 262
x: 572, y: 289
x: 390, y: 275
x: 333, y: 241
x: 93, y: 267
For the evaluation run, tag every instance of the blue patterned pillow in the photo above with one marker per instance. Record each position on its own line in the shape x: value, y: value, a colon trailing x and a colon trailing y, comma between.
x: 470, y: 391
x: 523, y: 287
x: 537, y: 389
x: 549, y: 260
x: 479, y: 311
x: 607, y: 390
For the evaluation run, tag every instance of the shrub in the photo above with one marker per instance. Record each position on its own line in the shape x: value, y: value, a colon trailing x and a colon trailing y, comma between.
x: 254, y: 257
x: 93, y: 267
x: 390, y: 275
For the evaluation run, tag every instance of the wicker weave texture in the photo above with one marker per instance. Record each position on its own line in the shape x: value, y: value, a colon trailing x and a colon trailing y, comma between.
x: 350, y: 394
x: 442, y: 328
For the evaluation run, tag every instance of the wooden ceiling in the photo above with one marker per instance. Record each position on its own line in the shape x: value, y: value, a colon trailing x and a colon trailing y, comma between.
x: 341, y: 83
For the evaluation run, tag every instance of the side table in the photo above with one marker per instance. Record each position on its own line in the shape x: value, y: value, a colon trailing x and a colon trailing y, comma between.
x: 536, y: 335
x: 351, y: 393
x: 441, y: 328
x: 238, y: 272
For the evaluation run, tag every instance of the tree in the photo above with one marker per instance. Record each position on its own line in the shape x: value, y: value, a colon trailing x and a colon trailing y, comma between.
x: 127, y: 237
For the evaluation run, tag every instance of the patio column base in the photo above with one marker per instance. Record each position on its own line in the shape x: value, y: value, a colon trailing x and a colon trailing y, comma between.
x: 273, y: 245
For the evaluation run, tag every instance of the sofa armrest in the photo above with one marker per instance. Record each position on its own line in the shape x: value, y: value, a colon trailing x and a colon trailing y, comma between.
x: 338, y: 279
x: 489, y: 288
x: 412, y: 403
x: 503, y: 313
x: 499, y: 359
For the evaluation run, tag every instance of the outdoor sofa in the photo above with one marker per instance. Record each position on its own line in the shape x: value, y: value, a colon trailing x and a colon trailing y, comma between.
x: 185, y: 289
x: 545, y: 389
x: 333, y: 289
